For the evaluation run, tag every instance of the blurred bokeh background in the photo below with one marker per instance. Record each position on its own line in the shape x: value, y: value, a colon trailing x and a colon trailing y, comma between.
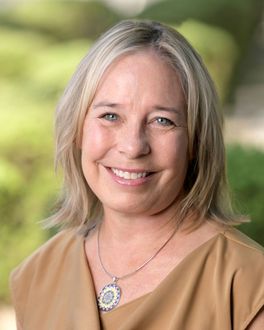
x: 41, y: 43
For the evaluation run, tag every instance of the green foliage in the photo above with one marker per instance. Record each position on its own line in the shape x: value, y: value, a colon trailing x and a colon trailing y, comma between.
x: 11, y: 182
x: 238, y: 17
x: 36, y: 75
x: 27, y: 102
x: 17, y: 49
x: 245, y: 172
x: 28, y: 187
x: 219, y: 38
x: 34, y: 69
x: 54, y: 66
x: 61, y: 19
x: 217, y: 49
x: 16, y: 243
x: 27, y: 184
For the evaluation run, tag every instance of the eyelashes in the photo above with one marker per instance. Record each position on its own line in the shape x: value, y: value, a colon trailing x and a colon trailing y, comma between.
x: 157, y: 121
x: 109, y: 116
x: 162, y: 121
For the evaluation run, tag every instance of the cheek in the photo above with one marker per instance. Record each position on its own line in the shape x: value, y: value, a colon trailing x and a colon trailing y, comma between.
x: 95, y: 141
x: 174, y: 149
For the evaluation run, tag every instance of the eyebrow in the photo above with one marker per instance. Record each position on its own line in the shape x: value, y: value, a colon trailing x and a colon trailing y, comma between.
x: 155, y: 107
x: 105, y: 104
x: 168, y: 109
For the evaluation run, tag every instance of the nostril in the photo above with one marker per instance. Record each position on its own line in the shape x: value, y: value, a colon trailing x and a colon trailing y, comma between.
x: 134, y: 145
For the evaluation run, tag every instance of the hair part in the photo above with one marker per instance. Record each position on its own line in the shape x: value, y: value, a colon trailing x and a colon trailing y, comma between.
x: 206, y: 192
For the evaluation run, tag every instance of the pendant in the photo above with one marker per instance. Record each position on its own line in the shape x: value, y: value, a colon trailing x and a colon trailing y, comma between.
x: 109, y: 297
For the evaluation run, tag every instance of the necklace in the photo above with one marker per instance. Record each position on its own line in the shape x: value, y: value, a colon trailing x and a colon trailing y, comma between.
x: 110, y: 294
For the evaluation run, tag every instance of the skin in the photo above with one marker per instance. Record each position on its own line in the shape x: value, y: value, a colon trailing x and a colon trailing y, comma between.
x: 138, y: 124
x: 258, y: 321
x: 125, y: 129
x: 138, y: 217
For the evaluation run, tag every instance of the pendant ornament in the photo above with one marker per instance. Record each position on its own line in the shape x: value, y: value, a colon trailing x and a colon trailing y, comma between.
x: 109, y: 297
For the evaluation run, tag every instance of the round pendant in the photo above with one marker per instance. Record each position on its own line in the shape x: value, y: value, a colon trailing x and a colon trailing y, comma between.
x: 109, y: 297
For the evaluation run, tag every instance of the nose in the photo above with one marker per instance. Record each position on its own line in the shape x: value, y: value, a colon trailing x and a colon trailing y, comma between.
x: 133, y: 141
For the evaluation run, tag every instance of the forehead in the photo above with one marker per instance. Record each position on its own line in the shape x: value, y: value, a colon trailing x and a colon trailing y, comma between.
x: 148, y: 59
x: 146, y: 70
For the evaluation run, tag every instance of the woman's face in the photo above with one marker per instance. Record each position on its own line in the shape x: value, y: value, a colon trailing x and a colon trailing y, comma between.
x: 134, y: 145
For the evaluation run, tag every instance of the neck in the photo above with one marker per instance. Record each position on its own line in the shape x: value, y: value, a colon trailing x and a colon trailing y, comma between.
x: 120, y: 230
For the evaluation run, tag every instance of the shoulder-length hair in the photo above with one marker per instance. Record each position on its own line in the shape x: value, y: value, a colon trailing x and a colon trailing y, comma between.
x: 205, y: 186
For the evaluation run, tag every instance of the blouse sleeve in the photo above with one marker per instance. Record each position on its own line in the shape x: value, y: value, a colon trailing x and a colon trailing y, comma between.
x: 248, y: 289
x: 18, y: 295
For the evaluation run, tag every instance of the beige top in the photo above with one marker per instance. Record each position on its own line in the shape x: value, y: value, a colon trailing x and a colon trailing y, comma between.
x: 218, y: 286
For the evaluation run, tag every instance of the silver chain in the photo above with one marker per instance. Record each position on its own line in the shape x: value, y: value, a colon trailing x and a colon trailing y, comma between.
x: 116, y: 278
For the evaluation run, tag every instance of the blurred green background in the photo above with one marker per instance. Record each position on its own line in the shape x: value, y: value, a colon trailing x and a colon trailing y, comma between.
x: 41, y: 44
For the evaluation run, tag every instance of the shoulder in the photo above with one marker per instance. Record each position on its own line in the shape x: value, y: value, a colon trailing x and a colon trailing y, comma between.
x: 43, y: 269
x: 244, y: 267
x: 242, y: 251
x: 243, y: 259
x: 237, y: 237
x: 55, y: 247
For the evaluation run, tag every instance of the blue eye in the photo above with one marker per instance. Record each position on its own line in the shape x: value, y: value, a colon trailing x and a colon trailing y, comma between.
x: 110, y: 116
x: 164, y: 121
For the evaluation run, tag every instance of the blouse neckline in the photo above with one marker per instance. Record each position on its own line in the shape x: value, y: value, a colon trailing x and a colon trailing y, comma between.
x: 172, y: 273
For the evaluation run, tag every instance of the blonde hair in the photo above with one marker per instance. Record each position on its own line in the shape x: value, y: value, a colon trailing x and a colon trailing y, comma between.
x: 205, y: 183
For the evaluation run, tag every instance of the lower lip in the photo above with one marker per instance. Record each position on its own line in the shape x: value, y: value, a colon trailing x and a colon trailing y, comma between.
x: 126, y: 182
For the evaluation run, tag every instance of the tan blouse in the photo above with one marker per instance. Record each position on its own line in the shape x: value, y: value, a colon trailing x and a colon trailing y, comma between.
x: 218, y: 286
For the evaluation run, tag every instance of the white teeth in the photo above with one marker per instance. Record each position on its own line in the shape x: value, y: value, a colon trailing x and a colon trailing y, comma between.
x: 134, y: 176
x: 126, y: 175
x: 129, y: 175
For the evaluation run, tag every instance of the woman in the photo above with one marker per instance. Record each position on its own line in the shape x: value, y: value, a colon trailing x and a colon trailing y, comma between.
x: 150, y: 243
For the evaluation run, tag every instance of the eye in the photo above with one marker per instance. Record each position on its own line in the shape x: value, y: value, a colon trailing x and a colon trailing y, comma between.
x: 109, y: 116
x: 162, y: 121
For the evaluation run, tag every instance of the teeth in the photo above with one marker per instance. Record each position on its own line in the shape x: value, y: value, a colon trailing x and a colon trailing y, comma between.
x: 129, y: 175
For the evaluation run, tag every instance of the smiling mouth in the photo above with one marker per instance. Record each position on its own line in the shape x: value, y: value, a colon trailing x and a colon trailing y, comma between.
x: 130, y: 175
